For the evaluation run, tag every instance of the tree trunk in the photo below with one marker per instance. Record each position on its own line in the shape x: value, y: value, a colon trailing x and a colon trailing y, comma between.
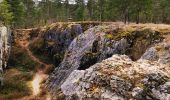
x: 1, y: 78
x: 2, y: 81
x: 137, y: 17
x: 163, y: 16
x: 126, y: 15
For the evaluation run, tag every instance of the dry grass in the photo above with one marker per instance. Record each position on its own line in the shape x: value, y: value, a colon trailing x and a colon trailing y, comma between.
x: 15, y: 84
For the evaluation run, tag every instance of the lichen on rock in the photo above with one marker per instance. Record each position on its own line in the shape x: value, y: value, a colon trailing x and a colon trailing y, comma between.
x: 91, y: 63
x: 93, y: 46
x: 106, y: 81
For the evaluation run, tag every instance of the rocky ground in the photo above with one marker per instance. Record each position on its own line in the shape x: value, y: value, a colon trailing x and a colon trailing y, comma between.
x: 119, y: 78
x: 138, y: 42
x: 102, y: 61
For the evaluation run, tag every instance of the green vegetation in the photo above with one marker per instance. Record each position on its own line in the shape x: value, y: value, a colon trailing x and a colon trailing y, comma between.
x: 19, y: 74
x: 17, y: 12
x: 5, y: 15
x: 21, y: 60
x: 36, y: 48
x: 15, y: 84
x: 118, y: 35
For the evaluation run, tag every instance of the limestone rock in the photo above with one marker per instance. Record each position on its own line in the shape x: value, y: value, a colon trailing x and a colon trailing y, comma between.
x: 119, y: 78
x: 99, y: 43
x: 159, y: 52
x: 151, y: 54
x: 5, y: 47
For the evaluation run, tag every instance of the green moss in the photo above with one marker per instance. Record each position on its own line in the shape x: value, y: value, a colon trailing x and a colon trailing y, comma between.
x: 109, y: 36
x: 118, y: 35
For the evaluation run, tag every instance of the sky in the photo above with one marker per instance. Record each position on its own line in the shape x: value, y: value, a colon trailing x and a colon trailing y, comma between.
x: 71, y: 1
x: 36, y: 1
x: 63, y: 0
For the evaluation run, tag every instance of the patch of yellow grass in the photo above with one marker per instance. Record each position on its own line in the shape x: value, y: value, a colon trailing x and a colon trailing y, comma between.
x: 15, y: 84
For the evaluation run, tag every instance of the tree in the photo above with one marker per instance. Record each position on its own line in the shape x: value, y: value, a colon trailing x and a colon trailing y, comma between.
x: 30, y: 13
x: 165, y: 8
x: 91, y: 7
x: 5, y: 15
x: 18, y: 12
x: 101, y: 9
x: 140, y: 7
x: 17, y: 8
x: 66, y: 5
x: 57, y: 10
x: 123, y: 6
x: 80, y: 8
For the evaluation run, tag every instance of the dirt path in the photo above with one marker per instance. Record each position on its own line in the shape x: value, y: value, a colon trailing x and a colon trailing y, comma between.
x: 25, y: 44
x: 39, y: 77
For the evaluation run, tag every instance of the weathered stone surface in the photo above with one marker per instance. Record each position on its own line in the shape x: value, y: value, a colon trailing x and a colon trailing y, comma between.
x: 97, y: 44
x: 5, y: 46
x: 119, y: 78
x: 159, y: 52
x: 151, y: 54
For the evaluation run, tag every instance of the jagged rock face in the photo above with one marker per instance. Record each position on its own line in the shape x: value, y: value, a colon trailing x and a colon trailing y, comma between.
x: 53, y: 42
x: 159, y: 52
x: 100, y: 43
x: 5, y: 45
x: 57, y: 41
x: 119, y: 78
x: 77, y: 49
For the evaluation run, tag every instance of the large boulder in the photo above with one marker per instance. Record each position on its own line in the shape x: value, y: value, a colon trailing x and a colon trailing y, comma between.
x: 99, y: 43
x: 119, y: 78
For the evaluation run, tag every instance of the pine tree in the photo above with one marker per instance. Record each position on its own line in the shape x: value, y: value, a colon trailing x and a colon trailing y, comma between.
x: 17, y: 8
x: 80, y: 8
x: 5, y: 15
x: 91, y: 8
x: 29, y: 13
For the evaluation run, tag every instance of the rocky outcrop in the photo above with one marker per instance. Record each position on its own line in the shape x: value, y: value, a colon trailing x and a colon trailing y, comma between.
x: 5, y: 45
x: 79, y: 50
x: 99, y: 43
x: 53, y: 41
x: 159, y: 52
x: 119, y: 78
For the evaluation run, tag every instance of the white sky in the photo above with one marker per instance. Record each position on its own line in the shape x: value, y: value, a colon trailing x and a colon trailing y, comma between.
x: 71, y: 1
x: 36, y: 1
